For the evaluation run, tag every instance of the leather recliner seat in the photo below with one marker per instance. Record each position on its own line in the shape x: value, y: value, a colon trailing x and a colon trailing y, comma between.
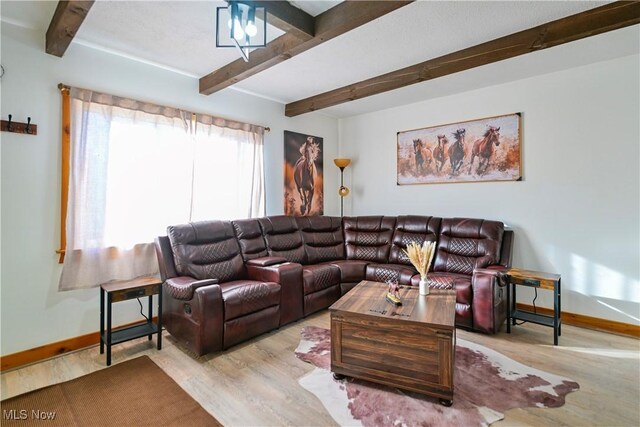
x: 226, y: 282
x: 210, y: 301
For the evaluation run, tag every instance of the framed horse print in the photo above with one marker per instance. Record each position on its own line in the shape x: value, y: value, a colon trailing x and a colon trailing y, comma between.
x: 303, y: 176
x: 478, y: 150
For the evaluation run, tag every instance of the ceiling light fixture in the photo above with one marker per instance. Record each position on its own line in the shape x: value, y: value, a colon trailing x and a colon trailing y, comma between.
x: 244, y: 26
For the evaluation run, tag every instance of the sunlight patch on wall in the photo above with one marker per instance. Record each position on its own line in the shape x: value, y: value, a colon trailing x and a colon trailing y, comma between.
x: 595, y: 279
x: 609, y: 306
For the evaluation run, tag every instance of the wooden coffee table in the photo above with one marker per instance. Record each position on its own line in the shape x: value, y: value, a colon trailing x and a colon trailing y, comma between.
x: 411, y: 346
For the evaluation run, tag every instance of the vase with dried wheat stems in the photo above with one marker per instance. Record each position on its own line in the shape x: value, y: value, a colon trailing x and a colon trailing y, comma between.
x: 421, y: 257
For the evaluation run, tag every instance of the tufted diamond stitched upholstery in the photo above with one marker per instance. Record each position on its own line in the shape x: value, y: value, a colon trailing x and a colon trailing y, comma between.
x: 182, y: 287
x: 206, y: 250
x: 318, y: 277
x: 368, y: 238
x: 322, y: 237
x: 461, y: 283
x: 394, y: 272
x: 412, y: 229
x: 244, y: 297
x: 466, y: 244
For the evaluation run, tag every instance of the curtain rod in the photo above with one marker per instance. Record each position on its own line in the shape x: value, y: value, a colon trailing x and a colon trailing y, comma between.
x: 65, y: 88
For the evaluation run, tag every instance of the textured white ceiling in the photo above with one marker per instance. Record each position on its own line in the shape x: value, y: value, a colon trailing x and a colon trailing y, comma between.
x: 180, y: 35
x: 177, y: 34
x: 35, y: 15
x: 407, y: 36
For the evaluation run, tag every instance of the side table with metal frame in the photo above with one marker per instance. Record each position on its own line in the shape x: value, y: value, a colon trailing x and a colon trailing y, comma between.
x: 125, y: 290
x: 535, y: 279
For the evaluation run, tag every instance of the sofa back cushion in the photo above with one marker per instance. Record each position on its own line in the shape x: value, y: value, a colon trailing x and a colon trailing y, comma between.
x: 206, y: 250
x: 465, y: 244
x: 322, y: 238
x: 250, y: 239
x: 412, y: 229
x: 283, y: 238
x: 368, y: 238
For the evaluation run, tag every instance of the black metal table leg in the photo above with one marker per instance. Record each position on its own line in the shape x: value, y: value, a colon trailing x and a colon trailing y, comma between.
x: 556, y: 314
x: 160, y: 318
x: 101, y: 321
x: 508, y: 306
x: 559, y: 309
x: 109, y: 329
x: 150, y: 321
x: 513, y: 304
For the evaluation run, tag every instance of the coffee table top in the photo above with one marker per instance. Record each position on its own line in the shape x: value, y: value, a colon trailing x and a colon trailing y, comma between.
x: 368, y: 298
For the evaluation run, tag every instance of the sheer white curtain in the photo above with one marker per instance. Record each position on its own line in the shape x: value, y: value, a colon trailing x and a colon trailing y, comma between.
x: 136, y: 168
x: 228, y: 178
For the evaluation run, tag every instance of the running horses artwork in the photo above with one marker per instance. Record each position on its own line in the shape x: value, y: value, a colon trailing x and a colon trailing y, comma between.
x: 423, y: 156
x: 439, y: 152
x: 483, y: 149
x: 487, y: 149
x: 457, y: 151
x: 303, y: 179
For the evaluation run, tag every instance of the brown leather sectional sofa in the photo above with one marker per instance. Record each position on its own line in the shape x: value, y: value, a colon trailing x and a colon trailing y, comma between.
x: 228, y: 281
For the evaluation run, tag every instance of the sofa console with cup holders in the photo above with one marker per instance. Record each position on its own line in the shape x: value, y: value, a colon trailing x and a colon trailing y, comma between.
x: 225, y: 282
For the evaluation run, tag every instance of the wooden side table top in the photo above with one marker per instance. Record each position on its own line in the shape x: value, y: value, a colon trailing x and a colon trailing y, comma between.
x: 119, y: 285
x: 523, y: 277
x: 368, y: 298
x: 121, y: 290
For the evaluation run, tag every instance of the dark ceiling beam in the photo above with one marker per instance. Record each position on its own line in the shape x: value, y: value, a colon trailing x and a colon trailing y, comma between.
x: 288, y: 18
x: 64, y: 25
x: 338, y: 20
x: 600, y: 20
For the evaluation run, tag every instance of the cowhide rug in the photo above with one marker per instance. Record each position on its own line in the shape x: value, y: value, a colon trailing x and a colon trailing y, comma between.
x: 486, y: 383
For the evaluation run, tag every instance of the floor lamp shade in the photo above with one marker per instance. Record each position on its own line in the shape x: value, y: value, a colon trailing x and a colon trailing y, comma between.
x: 343, y: 191
x: 342, y: 163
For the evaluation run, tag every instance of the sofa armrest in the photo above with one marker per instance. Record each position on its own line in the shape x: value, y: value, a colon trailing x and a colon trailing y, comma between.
x: 266, y: 261
x: 182, y: 287
x: 489, y: 298
x: 289, y: 276
x: 498, y: 270
x: 197, y: 321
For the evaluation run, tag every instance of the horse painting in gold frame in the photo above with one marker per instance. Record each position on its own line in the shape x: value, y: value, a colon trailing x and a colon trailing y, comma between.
x: 488, y: 149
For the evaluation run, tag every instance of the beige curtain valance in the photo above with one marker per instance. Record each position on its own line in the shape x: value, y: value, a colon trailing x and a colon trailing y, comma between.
x: 230, y: 124
x: 151, y: 108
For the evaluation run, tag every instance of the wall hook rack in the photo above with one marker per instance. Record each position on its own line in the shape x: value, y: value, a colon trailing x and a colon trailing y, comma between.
x: 19, y: 127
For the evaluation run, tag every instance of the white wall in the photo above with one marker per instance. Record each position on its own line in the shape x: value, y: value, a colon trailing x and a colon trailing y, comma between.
x: 576, y: 212
x: 33, y: 311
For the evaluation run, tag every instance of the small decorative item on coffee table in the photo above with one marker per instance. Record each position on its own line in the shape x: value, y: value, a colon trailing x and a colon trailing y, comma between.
x: 393, y: 294
x: 421, y: 257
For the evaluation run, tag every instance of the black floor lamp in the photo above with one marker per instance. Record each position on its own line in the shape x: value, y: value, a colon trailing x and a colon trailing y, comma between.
x: 342, y: 191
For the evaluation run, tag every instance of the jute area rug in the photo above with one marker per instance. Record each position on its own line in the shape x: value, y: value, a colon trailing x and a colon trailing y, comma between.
x: 132, y: 393
x: 486, y: 383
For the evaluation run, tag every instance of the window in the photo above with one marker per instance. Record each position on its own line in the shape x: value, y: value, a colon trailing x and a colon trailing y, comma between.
x: 135, y: 168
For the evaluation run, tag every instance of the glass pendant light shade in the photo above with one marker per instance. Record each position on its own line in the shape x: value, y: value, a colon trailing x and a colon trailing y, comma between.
x: 246, y: 27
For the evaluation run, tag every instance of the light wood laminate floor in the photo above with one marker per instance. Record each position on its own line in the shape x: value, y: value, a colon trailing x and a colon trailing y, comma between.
x: 255, y: 383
